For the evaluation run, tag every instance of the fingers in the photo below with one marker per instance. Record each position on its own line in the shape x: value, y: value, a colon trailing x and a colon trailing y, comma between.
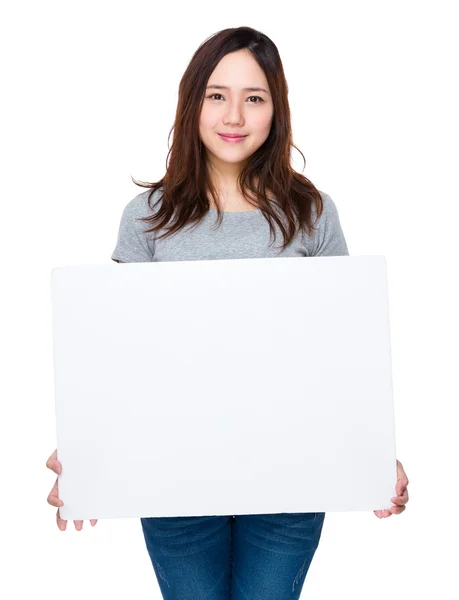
x: 53, y: 464
x: 53, y: 497
x: 79, y: 524
x: 382, y: 514
x: 60, y: 522
x: 400, y: 486
x: 400, y: 500
x: 52, y: 457
x: 393, y: 510
x: 402, y: 479
x: 396, y: 510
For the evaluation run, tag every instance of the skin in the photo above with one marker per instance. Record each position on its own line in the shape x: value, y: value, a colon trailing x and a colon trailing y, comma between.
x: 53, y: 497
x: 233, y: 111
x: 399, y: 501
x: 402, y: 495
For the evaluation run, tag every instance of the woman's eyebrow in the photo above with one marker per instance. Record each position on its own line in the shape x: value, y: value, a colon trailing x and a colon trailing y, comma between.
x: 247, y: 89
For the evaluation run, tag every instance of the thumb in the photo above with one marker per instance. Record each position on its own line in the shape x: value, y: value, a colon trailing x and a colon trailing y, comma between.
x: 400, y: 487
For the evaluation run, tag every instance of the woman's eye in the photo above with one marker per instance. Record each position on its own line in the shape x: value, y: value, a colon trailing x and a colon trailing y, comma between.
x: 261, y: 99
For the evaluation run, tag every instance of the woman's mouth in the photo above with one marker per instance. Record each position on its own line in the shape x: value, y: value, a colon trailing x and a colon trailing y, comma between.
x: 232, y: 138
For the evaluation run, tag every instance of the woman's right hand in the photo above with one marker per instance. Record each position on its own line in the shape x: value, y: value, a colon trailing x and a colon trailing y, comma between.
x: 53, y: 498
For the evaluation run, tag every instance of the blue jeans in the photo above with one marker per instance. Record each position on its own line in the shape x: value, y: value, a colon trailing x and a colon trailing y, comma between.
x: 245, y: 557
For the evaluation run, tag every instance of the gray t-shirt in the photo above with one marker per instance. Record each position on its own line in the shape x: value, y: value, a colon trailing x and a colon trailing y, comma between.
x: 240, y: 235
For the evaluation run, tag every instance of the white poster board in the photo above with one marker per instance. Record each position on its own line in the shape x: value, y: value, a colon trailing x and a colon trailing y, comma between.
x: 223, y: 387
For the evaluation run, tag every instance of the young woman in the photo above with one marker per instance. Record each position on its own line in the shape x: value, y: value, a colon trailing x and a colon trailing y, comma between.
x: 229, y: 192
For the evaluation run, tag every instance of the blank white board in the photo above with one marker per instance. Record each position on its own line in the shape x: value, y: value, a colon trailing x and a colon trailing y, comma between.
x: 223, y: 387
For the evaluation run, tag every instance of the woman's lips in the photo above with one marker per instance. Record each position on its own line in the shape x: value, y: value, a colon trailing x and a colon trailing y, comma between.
x: 233, y: 140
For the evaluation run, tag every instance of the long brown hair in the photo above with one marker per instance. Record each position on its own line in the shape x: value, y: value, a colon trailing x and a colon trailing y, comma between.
x: 186, y: 184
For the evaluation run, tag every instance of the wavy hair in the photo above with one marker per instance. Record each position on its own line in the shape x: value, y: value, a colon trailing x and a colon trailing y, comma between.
x: 187, y: 183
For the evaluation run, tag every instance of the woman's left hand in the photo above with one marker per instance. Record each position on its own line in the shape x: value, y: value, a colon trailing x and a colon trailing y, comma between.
x: 401, y: 499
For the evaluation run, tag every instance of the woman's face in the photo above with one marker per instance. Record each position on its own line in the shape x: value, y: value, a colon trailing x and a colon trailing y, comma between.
x: 235, y: 109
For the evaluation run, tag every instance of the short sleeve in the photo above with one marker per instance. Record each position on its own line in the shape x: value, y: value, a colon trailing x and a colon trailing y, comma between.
x: 133, y: 244
x: 328, y: 239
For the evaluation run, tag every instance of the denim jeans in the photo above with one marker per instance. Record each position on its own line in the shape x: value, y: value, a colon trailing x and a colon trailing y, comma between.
x: 242, y: 557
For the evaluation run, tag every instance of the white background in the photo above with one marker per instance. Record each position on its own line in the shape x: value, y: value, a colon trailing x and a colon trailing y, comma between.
x: 89, y: 96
